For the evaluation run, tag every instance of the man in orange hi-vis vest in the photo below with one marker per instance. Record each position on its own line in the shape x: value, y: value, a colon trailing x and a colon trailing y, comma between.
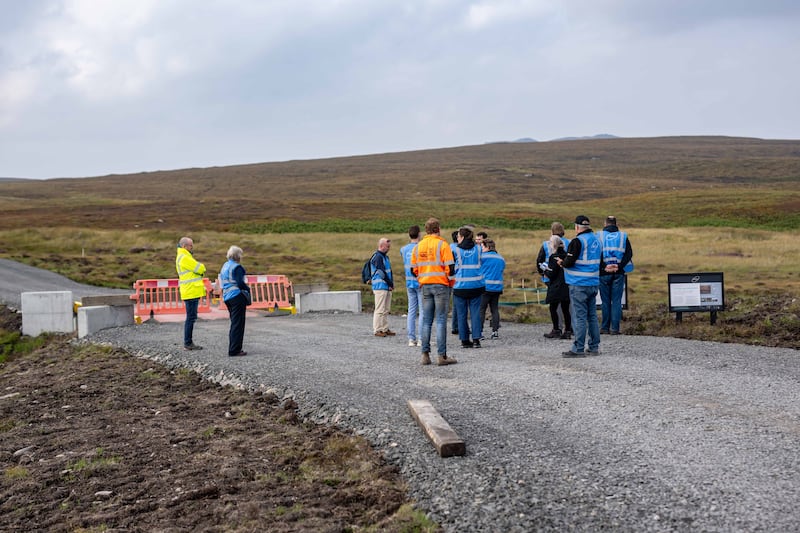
x: 433, y: 265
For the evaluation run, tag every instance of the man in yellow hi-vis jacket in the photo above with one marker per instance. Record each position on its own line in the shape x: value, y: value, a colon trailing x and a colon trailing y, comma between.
x: 190, y: 275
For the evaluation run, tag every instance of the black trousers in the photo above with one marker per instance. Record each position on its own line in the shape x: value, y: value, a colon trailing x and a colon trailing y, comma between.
x: 565, y: 311
x: 236, y: 309
x: 491, y: 300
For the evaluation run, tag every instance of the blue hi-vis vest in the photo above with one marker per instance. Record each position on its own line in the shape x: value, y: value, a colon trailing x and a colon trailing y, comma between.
x: 229, y: 287
x: 614, y: 244
x: 468, y: 268
x: 492, y: 267
x: 378, y: 284
x: 546, y: 247
x: 406, y: 252
x: 586, y: 270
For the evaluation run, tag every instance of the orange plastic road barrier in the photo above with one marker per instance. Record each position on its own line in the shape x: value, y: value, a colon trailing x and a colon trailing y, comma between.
x: 269, y: 292
x: 163, y: 297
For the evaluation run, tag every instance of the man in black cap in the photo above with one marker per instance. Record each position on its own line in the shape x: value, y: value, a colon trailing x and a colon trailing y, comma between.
x: 582, y: 274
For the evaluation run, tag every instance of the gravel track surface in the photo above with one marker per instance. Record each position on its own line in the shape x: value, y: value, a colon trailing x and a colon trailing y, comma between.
x: 655, y: 434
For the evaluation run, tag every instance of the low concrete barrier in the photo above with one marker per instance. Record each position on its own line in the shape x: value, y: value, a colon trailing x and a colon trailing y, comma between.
x: 349, y: 301
x: 49, y: 312
x: 102, y: 312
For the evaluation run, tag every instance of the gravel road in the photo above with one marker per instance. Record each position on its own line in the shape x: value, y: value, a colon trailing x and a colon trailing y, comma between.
x: 655, y: 434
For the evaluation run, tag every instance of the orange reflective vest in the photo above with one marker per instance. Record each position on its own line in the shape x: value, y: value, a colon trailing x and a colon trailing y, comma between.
x: 431, y: 261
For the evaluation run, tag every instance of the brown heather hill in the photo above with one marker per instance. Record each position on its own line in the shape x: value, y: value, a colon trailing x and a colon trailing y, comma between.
x: 516, y: 180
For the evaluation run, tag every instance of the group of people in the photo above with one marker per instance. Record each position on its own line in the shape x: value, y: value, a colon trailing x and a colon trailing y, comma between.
x: 471, y: 271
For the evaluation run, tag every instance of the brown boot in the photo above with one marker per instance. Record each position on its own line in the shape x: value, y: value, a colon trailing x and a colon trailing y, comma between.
x: 426, y: 358
x: 444, y: 360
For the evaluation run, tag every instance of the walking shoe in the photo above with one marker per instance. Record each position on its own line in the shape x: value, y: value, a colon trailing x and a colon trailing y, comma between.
x: 192, y: 347
x: 566, y: 335
x: 380, y: 333
x: 476, y: 343
x: 570, y: 353
x: 390, y: 333
x: 495, y: 335
x: 454, y: 332
x: 554, y: 334
x: 593, y: 352
x: 241, y: 352
x: 616, y: 333
x: 426, y: 358
x: 466, y: 344
x: 604, y: 332
x: 419, y: 343
x: 412, y: 342
x: 444, y: 360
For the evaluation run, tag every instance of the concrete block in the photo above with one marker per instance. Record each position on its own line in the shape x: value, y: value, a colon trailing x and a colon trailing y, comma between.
x: 305, y: 288
x: 94, y: 318
x: 446, y: 441
x: 47, y: 312
x: 114, y: 300
x: 349, y: 301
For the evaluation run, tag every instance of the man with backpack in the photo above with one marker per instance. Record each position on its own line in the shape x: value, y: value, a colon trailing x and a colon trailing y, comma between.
x: 382, y: 287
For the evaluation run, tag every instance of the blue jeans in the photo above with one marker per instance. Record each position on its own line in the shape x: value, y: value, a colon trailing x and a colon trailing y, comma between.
x: 611, y: 288
x: 435, y: 300
x: 469, y: 308
x: 191, y: 317
x: 584, y: 317
x: 414, y: 311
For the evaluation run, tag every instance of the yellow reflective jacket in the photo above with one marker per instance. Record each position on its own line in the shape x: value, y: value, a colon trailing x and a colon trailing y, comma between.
x: 190, y: 274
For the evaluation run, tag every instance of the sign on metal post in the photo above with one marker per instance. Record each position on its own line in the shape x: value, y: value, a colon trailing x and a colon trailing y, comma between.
x: 698, y: 292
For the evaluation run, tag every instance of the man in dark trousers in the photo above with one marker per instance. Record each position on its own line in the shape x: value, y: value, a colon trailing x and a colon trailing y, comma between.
x: 617, y: 255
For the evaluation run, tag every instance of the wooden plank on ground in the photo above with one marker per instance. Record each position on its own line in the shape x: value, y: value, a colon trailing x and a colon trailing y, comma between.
x: 446, y: 441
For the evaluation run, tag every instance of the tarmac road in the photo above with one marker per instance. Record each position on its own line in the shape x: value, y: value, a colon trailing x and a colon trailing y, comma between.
x: 16, y: 278
x: 655, y: 434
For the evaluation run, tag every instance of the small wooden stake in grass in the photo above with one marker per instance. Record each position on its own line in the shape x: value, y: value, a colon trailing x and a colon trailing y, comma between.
x: 447, y: 442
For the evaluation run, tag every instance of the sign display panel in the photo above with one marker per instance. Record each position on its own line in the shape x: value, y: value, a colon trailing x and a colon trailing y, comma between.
x: 696, y: 292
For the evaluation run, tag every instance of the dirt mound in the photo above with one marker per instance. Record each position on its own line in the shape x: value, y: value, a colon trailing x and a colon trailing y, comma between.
x: 92, y: 438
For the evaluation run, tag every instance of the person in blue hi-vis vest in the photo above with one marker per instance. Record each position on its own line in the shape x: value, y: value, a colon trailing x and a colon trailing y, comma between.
x: 382, y: 287
x: 493, y: 265
x: 414, y: 320
x: 617, y: 261
x: 543, y: 259
x: 236, y: 295
x: 582, y: 274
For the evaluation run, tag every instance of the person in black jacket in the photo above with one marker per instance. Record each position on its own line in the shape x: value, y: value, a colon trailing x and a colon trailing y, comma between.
x: 557, y: 290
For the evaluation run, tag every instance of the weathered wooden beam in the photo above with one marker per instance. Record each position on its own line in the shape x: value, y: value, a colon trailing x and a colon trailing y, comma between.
x: 446, y: 441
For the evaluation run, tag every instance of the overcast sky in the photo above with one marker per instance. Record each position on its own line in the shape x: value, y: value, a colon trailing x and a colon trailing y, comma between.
x: 94, y: 87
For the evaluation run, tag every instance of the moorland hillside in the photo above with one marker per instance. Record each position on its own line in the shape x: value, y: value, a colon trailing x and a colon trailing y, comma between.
x: 651, y: 182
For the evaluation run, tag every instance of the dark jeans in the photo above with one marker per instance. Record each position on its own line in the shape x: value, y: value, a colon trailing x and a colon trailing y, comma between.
x: 564, y: 311
x: 491, y: 300
x: 611, y: 289
x: 468, y: 312
x: 191, y: 318
x: 237, y: 306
